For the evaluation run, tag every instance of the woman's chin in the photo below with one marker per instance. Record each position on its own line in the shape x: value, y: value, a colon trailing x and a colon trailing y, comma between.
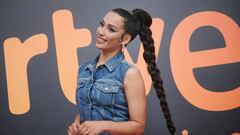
x: 100, y: 46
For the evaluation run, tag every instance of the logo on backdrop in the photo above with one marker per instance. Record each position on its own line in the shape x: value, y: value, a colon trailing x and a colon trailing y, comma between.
x: 68, y: 39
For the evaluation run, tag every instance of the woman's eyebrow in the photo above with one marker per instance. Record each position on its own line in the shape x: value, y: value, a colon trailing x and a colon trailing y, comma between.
x: 111, y: 25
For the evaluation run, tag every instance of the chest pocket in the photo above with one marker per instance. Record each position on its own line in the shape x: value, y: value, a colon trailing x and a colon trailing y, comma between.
x: 82, y: 89
x: 106, y: 91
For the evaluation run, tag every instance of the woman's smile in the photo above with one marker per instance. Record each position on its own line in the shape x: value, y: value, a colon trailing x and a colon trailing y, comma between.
x: 101, y: 40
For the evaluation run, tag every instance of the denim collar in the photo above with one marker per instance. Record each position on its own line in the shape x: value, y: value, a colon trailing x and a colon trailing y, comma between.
x: 111, y: 64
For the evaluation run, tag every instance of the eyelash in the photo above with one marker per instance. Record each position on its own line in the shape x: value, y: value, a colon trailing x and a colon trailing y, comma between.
x: 101, y: 23
x: 110, y: 29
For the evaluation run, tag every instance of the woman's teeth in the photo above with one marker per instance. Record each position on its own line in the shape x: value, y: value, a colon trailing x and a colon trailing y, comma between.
x: 99, y: 40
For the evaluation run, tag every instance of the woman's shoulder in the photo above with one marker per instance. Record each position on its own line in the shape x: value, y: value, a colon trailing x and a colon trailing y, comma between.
x: 83, y: 65
x: 127, y: 64
x: 131, y: 69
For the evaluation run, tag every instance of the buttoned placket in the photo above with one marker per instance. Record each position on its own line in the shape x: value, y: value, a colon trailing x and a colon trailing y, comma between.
x: 90, y: 89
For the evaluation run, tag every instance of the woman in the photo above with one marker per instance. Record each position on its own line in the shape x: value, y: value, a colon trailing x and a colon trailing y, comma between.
x: 110, y: 92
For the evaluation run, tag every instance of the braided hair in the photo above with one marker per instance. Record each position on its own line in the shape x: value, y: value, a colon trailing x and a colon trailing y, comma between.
x: 138, y: 23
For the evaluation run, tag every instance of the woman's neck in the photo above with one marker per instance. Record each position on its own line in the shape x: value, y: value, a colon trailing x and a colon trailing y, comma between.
x: 105, y: 56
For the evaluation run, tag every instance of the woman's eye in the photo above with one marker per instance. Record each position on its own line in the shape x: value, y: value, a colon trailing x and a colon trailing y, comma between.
x: 112, y: 29
x: 109, y: 27
x: 101, y: 23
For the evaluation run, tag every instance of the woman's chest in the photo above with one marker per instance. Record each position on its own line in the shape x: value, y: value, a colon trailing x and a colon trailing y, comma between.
x: 105, y: 90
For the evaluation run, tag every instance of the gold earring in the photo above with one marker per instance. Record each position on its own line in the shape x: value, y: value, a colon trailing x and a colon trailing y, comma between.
x: 123, y: 48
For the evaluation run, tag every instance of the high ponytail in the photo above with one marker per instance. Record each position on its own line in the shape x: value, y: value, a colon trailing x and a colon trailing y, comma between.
x: 149, y: 56
x: 138, y: 23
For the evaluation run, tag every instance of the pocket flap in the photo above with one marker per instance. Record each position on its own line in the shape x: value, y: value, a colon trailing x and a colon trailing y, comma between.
x: 81, y: 82
x: 107, y: 88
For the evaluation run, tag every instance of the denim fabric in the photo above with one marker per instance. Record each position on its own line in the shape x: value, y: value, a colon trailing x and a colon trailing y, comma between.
x: 100, y: 92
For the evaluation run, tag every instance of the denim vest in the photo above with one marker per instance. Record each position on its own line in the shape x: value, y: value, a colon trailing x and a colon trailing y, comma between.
x: 100, y: 92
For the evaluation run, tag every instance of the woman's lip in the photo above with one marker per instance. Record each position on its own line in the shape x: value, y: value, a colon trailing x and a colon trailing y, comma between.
x: 101, y: 40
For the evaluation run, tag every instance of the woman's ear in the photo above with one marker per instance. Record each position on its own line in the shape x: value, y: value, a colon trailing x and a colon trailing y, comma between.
x: 126, y: 39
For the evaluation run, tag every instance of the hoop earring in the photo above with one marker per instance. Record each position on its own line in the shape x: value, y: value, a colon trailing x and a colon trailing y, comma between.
x: 123, y: 48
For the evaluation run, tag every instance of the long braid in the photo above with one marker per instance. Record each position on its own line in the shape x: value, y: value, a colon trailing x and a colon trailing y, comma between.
x: 150, y: 58
x: 138, y: 23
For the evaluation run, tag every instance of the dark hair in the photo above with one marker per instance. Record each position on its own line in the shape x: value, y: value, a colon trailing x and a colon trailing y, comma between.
x: 138, y: 22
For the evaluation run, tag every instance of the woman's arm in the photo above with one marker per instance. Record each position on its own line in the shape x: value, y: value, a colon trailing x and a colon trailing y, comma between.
x: 136, y: 99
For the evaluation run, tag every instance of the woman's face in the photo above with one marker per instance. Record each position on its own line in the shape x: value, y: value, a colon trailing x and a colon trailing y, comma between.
x: 110, y: 32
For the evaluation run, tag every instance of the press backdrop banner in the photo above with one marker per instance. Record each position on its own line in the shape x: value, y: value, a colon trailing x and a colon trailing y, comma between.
x: 197, y: 48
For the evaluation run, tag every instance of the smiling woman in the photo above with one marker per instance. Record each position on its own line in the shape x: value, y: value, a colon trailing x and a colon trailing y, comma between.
x: 108, y: 98
x: 110, y: 32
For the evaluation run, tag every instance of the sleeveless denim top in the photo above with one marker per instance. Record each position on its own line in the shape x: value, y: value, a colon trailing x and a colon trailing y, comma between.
x: 100, y: 92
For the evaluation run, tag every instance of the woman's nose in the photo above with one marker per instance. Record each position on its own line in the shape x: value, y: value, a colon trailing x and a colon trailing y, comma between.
x: 101, y: 31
